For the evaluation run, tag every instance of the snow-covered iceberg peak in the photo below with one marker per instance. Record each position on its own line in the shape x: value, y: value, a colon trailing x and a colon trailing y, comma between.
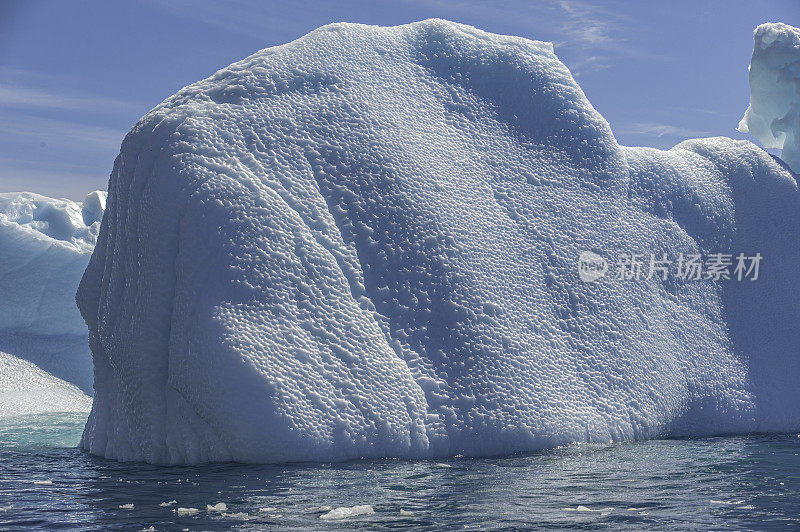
x: 774, y: 112
x: 45, y: 245
x: 366, y: 243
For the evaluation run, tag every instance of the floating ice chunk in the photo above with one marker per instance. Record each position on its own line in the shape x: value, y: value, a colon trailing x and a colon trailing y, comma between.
x: 128, y: 506
x: 601, y: 511
x: 169, y: 503
x: 6, y: 508
x: 219, y: 507
x: 343, y: 512
x: 715, y: 501
x: 242, y: 516
x: 272, y: 509
x: 186, y: 511
x: 406, y: 513
x: 774, y: 112
x: 43, y: 482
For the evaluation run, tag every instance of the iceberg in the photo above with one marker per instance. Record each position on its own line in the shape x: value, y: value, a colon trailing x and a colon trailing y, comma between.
x: 45, y: 245
x: 366, y: 243
x: 774, y: 112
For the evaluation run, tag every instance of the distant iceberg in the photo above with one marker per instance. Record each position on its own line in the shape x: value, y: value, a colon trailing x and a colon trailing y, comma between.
x: 369, y: 243
x: 45, y: 244
x: 774, y: 112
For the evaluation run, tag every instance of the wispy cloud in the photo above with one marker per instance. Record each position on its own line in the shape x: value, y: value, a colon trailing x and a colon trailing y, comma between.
x: 26, y: 97
x: 261, y: 21
x: 662, y: 130
x: 24, y: 89
x: 61, y: 134
x: 586, y: 23
x: 55, y: 139
x: 55, y: 157
x: 588, y: 32
x: 592, y: 63
x: 590, y: 37
x: 594, y: 36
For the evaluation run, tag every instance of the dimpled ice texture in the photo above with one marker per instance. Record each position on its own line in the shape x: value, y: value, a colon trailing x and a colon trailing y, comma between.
x: 364, y: 243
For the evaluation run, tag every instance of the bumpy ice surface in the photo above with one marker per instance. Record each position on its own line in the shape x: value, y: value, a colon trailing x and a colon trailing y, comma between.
x: 45, y: 244
x: 774, y: 112
x: 364, y: 243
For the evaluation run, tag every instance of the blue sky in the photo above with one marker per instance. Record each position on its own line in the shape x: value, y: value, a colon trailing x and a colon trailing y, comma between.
x: 75, y: 76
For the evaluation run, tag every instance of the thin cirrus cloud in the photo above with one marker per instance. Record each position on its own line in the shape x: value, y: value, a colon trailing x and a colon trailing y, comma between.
x: 25, y: 90
x: 591, y: 35
x: 62, y: 134
x: 36, y: 110
x: 587, y: 24
x: 656, y: 134
x: 26, y: 97
x: 664, y: 130
x: 255, y: 20
x: 55, y: 157
x: 52, y: 138
x: 575, y: 21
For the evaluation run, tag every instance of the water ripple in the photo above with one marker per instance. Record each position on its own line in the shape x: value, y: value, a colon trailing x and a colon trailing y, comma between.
x: 721, y: 483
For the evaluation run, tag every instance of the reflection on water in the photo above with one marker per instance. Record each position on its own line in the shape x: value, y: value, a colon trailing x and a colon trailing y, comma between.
x: 736, y: 482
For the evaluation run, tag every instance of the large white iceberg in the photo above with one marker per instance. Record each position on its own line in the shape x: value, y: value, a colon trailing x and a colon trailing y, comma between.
x: 45, y: 244
x: 774, y: 112
x: 364, y: 243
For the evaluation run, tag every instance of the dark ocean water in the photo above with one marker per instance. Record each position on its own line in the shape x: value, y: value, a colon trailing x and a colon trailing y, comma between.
x: 731, y: 483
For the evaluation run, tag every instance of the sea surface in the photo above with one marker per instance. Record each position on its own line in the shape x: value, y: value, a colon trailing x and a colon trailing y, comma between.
x: 723, y: 483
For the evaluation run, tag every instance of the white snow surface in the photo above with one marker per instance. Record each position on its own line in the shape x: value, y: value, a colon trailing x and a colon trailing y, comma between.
x: 27, y: 389
x: 774, y: 112
x: 363, y: 244
x: 45, y: 245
